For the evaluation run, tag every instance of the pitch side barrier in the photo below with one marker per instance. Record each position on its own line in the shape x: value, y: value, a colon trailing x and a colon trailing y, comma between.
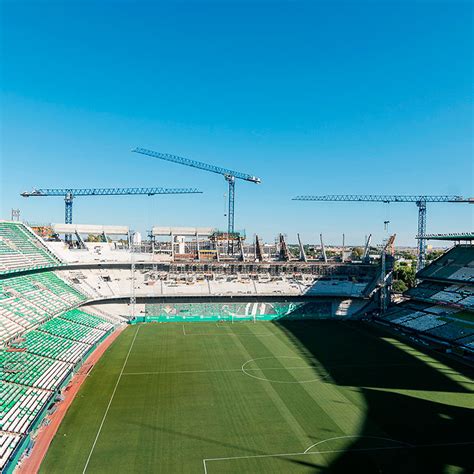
x: 246, y: 311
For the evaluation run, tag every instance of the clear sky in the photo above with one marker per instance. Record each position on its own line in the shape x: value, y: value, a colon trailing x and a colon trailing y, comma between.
x: 314, y: 97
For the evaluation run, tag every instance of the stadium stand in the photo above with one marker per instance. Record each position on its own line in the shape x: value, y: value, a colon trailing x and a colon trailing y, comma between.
x: 459, y: 294
x: 21, y: 249
x: 455, y: 265
x: 28, y: 300
x: 8, y: 444
x: 440, y: 308
x: 19, y: 406
x: 34, y: 371
x: 45, y: 338
x: 109, y: 283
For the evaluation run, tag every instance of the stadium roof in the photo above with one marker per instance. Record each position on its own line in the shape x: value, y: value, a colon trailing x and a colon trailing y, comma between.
x: 157, y: 231
x: 452, y: 236
x: 91, y: 229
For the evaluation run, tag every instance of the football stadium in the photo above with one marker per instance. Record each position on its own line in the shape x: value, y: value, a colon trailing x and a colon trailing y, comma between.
x: 236, y: 237
x: 180, y: 355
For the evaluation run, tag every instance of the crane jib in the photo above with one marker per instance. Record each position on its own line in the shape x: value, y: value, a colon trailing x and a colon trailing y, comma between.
x: 197, y: 164
x: 73, y: 192
x: 385, y: 198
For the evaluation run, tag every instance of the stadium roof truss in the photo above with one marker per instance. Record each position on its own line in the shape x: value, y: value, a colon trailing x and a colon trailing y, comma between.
x: 456, y: 236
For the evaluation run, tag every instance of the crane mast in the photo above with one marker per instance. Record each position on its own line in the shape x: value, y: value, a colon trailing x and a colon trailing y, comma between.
x: 229, y: 175
x: 419, y: 200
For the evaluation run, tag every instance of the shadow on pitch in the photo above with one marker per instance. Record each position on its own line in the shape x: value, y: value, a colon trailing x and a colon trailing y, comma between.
x: 377, y: 369
x: 217, y: 442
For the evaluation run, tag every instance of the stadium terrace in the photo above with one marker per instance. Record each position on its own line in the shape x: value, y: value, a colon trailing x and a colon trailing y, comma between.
x: 198, y: 350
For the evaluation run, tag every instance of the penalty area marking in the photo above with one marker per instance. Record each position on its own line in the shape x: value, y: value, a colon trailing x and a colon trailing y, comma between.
x: 400, y: 445
x: 354, y: 436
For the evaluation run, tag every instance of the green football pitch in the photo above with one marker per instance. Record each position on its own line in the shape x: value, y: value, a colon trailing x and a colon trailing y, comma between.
x: 274, y: 397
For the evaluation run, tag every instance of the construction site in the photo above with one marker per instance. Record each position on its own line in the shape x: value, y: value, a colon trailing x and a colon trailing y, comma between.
x: 72, y: 293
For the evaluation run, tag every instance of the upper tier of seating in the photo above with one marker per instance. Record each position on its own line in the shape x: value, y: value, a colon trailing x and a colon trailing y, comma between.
x: 28, y: 300
x: 455, y: 265
x: 441, y: 307
x: 457, y: 295
x: 21, y: 249
x: 439, y: 322
x: 36, y: 365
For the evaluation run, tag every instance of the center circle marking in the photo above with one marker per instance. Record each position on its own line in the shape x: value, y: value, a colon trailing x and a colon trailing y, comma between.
x: 248, y: 371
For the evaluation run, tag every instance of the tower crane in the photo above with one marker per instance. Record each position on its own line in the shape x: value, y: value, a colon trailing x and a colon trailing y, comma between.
x: 229, y: 175
x: 70, y: 193
x: 419, y: 200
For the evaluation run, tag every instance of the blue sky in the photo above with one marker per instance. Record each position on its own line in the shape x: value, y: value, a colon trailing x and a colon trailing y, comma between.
x: 313, y: 97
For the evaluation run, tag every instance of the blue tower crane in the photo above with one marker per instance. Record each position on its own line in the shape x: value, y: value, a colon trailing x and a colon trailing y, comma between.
x: 70, y: 193
x: 229, y: 175
x: 420, y: 201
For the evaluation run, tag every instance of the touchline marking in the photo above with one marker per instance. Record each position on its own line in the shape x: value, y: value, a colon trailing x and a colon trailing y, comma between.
x: 281, y: 455
x: 110, y: 402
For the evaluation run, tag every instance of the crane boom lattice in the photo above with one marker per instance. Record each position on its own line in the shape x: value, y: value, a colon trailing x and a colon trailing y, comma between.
x: 419, y: 200
x: 70, y: 193
x: 229, y: 175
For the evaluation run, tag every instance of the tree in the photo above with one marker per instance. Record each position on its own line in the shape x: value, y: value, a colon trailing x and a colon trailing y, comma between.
x: 357, y: 253
x: 399, y: 286
x: 405, y: 272
x: 433, y: 255
x: 93, y: 238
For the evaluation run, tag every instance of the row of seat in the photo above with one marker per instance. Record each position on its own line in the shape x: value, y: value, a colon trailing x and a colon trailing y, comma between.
x: 441, y: 306
x: 87, y: 319
x: 8, y: 443
x: 19, y: 406
x: 36, y: 365
x: 455, y: 265
x: 26, y: 368
x: 28, y: 300
x: 20, y: 249
x: 442, y: 322
x: 455, y: 294
x: 69, y: 330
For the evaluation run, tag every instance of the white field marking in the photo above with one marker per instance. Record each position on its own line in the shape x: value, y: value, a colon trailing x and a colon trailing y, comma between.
x: 203, y: 371
x: 238, y: 334
x: 110, y: 401
x: 354, y: 436
x: 281, y: 455
x: 266, y: 379
x: 211, y: 371
x: 316, y: 379
x: 184, y: 331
